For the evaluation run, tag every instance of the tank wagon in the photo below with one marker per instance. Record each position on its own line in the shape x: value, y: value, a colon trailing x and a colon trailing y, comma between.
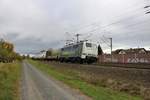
x: 53, y: 54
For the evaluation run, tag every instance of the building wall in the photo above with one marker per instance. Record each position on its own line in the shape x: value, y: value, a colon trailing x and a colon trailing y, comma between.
x: 125, y: 58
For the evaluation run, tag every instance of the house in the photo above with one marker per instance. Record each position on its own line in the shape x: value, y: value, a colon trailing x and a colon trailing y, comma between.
x: 119, y: 51
x: 148, y: 51
x: 132, y: 55
x: 130, y: 51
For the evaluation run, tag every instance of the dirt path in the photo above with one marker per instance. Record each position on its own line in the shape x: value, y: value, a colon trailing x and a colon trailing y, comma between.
x: 38, y: 86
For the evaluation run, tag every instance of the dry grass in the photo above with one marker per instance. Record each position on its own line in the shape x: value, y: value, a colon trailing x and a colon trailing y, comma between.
x: 131, y: 82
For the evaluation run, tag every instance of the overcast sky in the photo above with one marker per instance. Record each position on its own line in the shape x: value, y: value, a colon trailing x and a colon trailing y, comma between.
x: 34, y: 25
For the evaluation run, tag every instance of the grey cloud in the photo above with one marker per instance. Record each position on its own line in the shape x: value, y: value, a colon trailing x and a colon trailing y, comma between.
x: 31, y: 44
x: 33, y: 25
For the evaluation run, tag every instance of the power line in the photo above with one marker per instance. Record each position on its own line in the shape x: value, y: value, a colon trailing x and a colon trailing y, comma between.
x: 92, y: 24
x: 135, y: 24
x: 130, y: 17
x: 147, y: 8
x: 147, y: 12
x: 104, y: 27
x: 117, y: 22
x: 127, y: 32
x: 88, y: 36
x: 104, y: 41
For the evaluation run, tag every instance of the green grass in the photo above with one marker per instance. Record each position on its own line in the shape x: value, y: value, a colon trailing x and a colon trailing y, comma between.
x: 9, y: 81
x: 73, y: 80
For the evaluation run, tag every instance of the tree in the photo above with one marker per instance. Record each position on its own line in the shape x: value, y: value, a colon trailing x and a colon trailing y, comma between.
x: 100, y: 51
x: 7, y: 53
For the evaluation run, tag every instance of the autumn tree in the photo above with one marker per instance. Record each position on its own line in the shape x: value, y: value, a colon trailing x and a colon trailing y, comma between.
x: 7, y: 53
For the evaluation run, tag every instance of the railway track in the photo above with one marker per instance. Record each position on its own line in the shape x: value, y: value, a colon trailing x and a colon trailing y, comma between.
x: 126, y: 67
x: 120, y: 66
x: 144, y: 68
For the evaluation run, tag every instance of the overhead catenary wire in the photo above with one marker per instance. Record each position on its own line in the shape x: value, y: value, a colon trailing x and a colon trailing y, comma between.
x: 129, y: 32
x: 98, y: 22
x: 102, y: 41
x: 147, y: 7
x: 130, y: 17
x: 125, y: 26
x: 117, y: 22
x: 113, y: 23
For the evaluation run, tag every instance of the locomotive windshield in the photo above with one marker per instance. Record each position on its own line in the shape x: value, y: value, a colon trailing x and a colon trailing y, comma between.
x: 88, y: 45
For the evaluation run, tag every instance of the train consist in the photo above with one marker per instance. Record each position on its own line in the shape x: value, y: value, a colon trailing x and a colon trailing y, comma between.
x: 81, y: 52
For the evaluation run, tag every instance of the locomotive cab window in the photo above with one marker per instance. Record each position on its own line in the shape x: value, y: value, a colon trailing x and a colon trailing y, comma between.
x: 88, y: 45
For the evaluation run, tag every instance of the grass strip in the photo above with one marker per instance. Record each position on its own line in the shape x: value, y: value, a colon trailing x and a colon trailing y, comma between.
x: 9, y: 81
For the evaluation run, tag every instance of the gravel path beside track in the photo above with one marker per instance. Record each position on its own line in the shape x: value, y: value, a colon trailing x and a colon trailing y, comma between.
x: 38, y: 86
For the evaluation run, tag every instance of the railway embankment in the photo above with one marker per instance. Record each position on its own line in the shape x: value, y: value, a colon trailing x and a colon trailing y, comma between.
x: 132, y: 80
